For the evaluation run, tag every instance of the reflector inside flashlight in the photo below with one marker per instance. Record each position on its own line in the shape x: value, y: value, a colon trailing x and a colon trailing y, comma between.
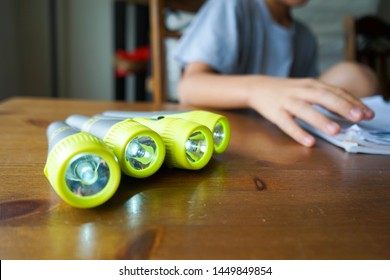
x: 218, y: 133
x: 87, y: 174
x: 141, y: 152
x: 196, y: 146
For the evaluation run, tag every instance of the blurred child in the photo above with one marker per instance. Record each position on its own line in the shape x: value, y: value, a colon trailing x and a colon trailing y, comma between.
x: 253, y: 54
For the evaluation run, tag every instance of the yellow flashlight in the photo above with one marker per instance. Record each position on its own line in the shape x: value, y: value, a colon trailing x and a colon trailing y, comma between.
x: 189, y: 145
x: 139, y: 149
x: 219, y: 125
x: 80, y: 167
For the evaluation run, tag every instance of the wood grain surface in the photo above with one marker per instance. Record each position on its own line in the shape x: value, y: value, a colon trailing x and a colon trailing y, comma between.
x: 266, y: 197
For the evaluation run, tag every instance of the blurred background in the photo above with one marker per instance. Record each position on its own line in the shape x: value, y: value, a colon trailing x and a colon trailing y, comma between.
x: 66, y: 48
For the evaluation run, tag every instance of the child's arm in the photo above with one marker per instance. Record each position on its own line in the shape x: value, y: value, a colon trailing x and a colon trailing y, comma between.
x: 277, y: 99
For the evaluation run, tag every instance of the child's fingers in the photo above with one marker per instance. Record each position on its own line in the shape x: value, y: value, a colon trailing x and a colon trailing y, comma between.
x: 368, y: 113
x: 338, y: 101
x: 289, y: 126
x: 308, y: 114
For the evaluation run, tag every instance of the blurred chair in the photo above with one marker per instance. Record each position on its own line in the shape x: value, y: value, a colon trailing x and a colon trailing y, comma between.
x: 159, y: 33
x: 367, y: 40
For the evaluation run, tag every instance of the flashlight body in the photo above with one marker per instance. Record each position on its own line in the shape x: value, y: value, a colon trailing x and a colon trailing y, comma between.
x: 80, y: 167
x: 218, y: 124
x: 139, y: 150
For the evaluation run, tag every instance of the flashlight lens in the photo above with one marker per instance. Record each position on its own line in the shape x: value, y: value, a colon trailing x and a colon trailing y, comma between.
x: 196, y: 146
x: 141, y: 152
x: 218, y: 134
x: 87, y: 175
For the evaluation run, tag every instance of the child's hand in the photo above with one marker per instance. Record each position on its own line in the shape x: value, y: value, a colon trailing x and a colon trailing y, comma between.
x: 280, y: 100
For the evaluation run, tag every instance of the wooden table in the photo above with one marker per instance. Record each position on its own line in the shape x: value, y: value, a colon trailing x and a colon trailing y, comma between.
x: 267, y: 197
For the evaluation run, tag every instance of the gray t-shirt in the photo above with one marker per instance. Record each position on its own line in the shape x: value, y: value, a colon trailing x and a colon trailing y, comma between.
x: 240, y: 37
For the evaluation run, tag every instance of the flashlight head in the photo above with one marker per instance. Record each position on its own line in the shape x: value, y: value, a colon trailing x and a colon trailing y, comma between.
x: 189, y: 145
x: 82, y: 170
x: 219, y: 126
x: 139, y: 149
